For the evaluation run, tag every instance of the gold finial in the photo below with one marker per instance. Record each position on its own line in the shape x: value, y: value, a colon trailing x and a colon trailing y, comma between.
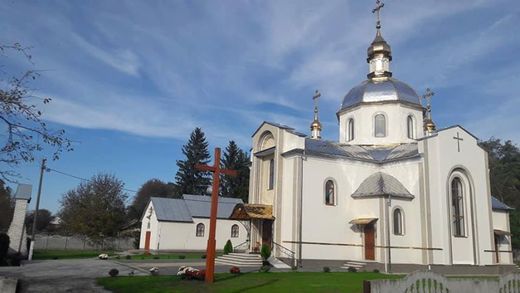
x: 377, y: 11
x: 316, y: 125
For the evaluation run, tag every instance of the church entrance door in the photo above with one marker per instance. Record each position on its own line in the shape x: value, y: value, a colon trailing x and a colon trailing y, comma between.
x: 147, y: 241
x: 267, y: 232
x: 369, y: 242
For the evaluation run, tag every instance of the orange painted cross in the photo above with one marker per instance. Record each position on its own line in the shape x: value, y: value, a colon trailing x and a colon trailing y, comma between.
x: 210, y: 250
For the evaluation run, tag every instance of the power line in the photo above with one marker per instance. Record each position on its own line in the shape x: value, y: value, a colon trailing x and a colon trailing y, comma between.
x: 80, y: 178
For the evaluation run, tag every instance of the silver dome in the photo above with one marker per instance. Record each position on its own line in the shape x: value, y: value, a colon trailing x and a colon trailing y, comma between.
x: 389, y: 89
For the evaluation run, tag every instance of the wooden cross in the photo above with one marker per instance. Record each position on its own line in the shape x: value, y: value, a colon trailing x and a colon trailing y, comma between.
x: 458, y: 138
x: 377, y: 10
x: 210, y: 250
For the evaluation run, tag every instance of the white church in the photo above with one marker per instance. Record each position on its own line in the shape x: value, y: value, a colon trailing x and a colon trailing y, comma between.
x: 393, y: 192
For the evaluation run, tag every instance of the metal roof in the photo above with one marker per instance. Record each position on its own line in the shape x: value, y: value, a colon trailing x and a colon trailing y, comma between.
x: 171, y: 209
x: 23, y: 191
x: 200, y: 206
x: 374, y: 154
x: 498, y: 205
x: 191, y: 206
x: 389, y: 89
x: 381, y: 184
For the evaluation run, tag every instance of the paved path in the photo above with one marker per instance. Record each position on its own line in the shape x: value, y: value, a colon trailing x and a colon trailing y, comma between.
x: 74, y: 275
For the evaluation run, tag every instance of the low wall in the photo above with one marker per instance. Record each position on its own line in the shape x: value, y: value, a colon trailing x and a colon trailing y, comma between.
x: 76, y: 242
x: 8, y: 285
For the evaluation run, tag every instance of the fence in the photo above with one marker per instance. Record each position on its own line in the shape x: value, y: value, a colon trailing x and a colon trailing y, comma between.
x: 76, y: 242
x: 429, y: 282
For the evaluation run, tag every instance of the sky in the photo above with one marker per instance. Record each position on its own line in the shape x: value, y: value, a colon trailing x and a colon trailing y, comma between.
x: 129, y: 80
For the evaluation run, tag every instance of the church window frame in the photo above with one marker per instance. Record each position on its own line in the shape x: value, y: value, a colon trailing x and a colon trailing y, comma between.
x: 410, y: 126
x: 235, y: 231
x: 380, y: 125
x: 270, y: 175
x: 327, y: 198
x: 398, y: 221
x: 457, y: 197
x: 199, y: 231
x: 350, y: 129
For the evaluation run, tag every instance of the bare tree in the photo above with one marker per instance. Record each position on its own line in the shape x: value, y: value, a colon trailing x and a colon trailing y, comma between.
x: 26, y: 132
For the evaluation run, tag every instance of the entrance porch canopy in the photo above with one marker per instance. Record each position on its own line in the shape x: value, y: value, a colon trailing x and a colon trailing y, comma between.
x: 363, y: 221
x: 251, y: 211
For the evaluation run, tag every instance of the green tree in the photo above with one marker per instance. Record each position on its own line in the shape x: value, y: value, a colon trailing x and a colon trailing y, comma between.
x: 188, y: 179
x: 95, y: 208
x: 152, y: 187
x: 504, y: 165
x: 235, y: 158
x: 25, y: 132
x: 42, y: 224
x: 6, y: 207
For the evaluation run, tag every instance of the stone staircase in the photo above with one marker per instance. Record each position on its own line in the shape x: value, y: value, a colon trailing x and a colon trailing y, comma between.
x: 239, y: 260
x: 354, y: 264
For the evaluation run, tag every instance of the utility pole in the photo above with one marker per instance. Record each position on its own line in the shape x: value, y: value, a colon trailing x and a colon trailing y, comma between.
x: 35, y: 214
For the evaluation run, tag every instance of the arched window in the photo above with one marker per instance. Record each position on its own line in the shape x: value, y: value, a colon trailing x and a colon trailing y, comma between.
x: 330, y: 193
x: 270, y: 184
x: 398, y: 222
x: 350, y: 133
x: 457, y: 206
x: 234, y: 231
x: 380, y: 125
x: 200, y: 230
x: 410, y: 127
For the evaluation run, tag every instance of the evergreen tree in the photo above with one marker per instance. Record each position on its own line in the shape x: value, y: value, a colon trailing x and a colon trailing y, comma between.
x: 188, y: 179
x: 235, y: 159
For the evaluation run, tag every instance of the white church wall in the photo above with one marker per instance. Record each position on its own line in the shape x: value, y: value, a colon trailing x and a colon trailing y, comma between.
x: 329, y: 225
x: 396, y: 127
x: 292, y: 141
x: 443, y: 158
x: 149, y: 224
x: 501, y: 222
x: 290, y: 204
x: 182, y: 236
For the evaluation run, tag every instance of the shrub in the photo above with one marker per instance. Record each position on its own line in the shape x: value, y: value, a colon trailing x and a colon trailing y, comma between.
x: 182, y: 256
x: 352, y: 269
x: 15, y: 259
x: 4, y: 246
x: 203, y: 256
x: 265, y: 251
x: 228, y: 248
x: 234, y: 270
x: 375, y: 271
x: 113, y: 272
x: 118, y: 257
x: 265, y: 269
x: 326, y: 269
x: 128, y: 257
x: 156, y: 257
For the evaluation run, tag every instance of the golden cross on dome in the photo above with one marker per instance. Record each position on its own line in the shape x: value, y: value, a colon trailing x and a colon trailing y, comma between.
x: 377, y: 10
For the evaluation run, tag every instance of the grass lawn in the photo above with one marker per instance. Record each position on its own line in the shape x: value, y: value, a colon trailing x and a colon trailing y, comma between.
x: 67, y: 254
x: 173, y: 255
x: 250, y: 282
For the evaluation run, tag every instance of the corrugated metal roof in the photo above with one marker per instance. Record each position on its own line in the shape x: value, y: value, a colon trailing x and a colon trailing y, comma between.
x: 189, y: 206
x: 23, y: 191
x: 171, y: 209
x: 200, y: 206
x: 365, y: 153
x: 380, y: 184
x: 498, y: 205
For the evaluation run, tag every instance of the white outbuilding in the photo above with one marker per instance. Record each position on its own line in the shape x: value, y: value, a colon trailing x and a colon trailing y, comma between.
x: 392, y: 192
x: 183, y: 224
